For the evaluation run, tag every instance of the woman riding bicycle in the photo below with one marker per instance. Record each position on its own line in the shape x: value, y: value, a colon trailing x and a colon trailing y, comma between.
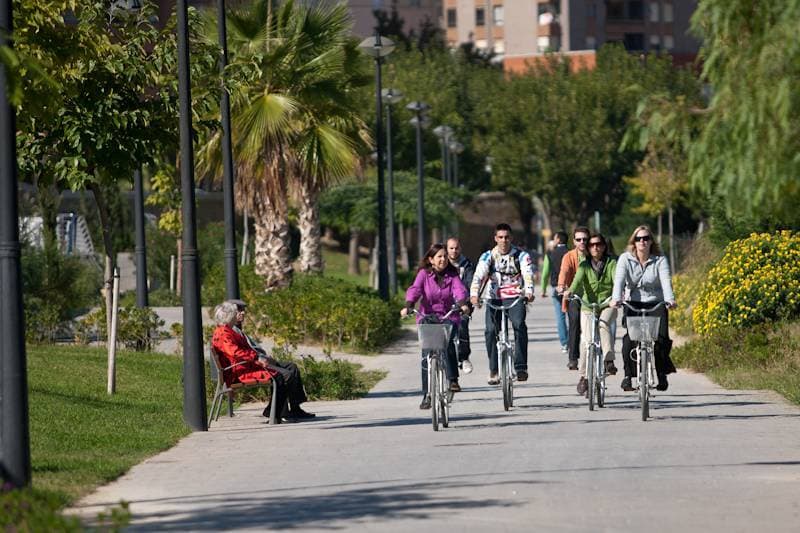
x: 644, y: 271
x: 437, y: 287
x: 594, y: 282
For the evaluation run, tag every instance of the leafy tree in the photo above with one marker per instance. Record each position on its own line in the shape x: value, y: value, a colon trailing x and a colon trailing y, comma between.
x: 746, y: 152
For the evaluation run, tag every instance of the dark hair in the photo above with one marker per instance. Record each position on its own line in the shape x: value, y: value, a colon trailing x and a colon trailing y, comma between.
x: 598, y: 235
x: 502, y: 227
x: 562, y: 236
x: 425, y: 264
x: 581, y: 229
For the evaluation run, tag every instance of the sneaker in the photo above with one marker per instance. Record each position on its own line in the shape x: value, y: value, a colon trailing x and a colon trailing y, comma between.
x: 564, y: 348
x: 454, y: 386
x: 425, y: 403
x: 626, y: 384
x: 663, y: 384
x: 572, y: 365
x: 466, y: 366
x: 611, y: 370
x: 299, y: 414
x: 494, y: 379
x: 522, y: 375
x: 583, y: 386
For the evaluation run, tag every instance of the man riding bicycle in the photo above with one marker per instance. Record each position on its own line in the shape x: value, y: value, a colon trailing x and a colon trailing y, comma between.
x: 509, y: 272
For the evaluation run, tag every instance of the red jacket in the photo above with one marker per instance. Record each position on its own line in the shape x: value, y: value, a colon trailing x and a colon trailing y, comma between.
x: 233, y: 348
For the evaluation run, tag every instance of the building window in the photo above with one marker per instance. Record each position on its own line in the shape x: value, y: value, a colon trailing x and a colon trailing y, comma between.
x: 669, y: 42
x: 591, y: 42
x: 655, y: 42
x: 634, y: 42
x: 636, y: 10
x: 480, y: 16
x: 498, y: 16
x: 654, y: 11
x: 615, y: 10
x: 451, y: 18
x: 668, y: 14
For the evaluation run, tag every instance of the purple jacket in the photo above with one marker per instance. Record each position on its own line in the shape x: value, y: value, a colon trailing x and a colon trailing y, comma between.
x: 434, y: 299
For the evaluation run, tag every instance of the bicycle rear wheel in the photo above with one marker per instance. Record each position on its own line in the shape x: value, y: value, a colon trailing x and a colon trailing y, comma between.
x: 590, y: 361
x: 505, y: 378
x: 433, y: 390
x: 644, y: 381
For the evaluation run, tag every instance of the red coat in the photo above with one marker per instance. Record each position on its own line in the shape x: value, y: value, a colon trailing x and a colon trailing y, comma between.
x: 233, y: 348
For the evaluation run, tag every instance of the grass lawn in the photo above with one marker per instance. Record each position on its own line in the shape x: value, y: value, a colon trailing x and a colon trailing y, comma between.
x: 80, y: 436
x: 762, y: 357
x: 336, y: 267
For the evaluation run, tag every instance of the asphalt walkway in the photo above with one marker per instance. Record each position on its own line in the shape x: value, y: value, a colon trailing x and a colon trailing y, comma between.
x: 709, y: 460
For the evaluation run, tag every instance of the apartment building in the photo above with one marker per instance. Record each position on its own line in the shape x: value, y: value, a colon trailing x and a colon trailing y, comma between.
x: 518, y: 30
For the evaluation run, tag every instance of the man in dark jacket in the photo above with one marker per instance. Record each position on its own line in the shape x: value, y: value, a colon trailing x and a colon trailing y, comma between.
x: 550, y: 270
x: 465, y: 271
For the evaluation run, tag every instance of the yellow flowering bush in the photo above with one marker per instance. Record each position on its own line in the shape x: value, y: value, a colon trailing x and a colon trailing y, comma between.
x: 757, y: 280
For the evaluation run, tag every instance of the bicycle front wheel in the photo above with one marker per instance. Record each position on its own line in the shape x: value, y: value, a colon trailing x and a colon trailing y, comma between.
x: 433, y: 390
x: 590, y: 362
x: 644, y: 381
x: 505, y: 378
x: 444, y: 400
x: 600, y: 383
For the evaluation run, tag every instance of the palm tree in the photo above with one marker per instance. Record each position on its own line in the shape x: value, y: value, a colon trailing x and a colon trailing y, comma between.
x: 294, y: 123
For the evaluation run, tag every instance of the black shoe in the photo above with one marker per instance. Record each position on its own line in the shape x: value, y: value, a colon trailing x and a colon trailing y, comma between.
x: 611, y: 370
x: 522, y: 375
x: 583, y: 386
x: 626, y: 384
x: 298, y: 414
x: 572, y: 365
x: 663, y: 384
x: 454, y: 386
x: 426, y: 402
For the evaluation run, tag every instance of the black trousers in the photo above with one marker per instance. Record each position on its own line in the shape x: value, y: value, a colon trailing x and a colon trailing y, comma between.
x: 663, y: 345
x: 464, y: 350
x: 574, y: 335
x: 290, y: 384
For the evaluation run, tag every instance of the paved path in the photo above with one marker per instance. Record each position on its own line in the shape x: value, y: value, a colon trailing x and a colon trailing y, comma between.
x: 709, y: 460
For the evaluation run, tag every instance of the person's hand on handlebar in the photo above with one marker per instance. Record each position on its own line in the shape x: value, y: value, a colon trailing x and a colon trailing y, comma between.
x: 474, y: 300
x: 465, y: 310
x: 672, y: 305
x: 529, y: 298
x: 615, y: 304
x: 404, y: 312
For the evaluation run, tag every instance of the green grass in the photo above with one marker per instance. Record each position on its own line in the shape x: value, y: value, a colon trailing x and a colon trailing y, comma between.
x: 336, y: 266
x: 762, y: 357
x: 80, y: 436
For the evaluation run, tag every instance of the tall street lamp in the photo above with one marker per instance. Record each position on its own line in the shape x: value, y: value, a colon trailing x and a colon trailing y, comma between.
x: 391, y: 97
x: 15, y: 453
x: 194, y: 385
x: 456, y: 149
x: 420, y: 120
x: 379, y: 48
x: 229, y: 251
x: 444, y: 132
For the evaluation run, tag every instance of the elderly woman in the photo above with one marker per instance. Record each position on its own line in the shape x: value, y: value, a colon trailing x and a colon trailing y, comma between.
x: 247, y: 364
x: 643, y: 272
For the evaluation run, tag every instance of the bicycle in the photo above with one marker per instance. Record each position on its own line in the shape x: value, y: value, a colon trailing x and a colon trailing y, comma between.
x: 434, y: 339
x: 595, y: 367
x: 643, y: 329
x: 505, y: 353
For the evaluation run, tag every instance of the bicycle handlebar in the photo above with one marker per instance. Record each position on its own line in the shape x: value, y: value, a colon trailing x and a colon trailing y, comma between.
x: 450, y: 312
x: 488, y: 303
x: 575, y: 298
x: 644, y: 309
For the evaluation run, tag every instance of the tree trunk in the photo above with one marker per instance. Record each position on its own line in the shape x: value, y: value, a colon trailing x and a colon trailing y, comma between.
x: 272, y: 254
x: 353, y: 259
x: 108, y: 245
x: 245, y: 238
x: 672, y: 264
x: 48, y: 200
x: 310, y: 231
x: 525, y: 212
x: 660, y: 224
x: 404, y: 262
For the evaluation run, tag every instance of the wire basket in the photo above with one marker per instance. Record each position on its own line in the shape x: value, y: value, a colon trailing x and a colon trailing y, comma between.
x: 643, y: 328
x: 434, y: 336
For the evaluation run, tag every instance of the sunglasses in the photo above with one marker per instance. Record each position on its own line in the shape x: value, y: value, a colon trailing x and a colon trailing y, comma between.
x: 581, y: 239
x: 597, y: 244
x: 643, y: 238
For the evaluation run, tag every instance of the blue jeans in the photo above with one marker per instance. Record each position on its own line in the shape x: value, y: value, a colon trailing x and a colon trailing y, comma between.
x: 561, y: 319
x: 516, y: 316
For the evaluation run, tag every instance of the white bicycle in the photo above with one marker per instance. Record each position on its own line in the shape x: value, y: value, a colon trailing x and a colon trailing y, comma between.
x: 595, y: 367
x: 505, y: 352
x: 433, y: 339
x: 643, y: 330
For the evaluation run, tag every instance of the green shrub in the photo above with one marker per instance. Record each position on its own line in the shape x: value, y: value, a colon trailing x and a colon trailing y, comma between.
x: 698, y: 260
x: 757, y: 280
x: 137, y: 328
x: 161, y: 297
x: 30, y: 510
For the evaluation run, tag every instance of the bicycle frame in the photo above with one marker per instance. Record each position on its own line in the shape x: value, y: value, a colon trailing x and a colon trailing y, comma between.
x: 644, y: 357
x: 505, y: 353
x: 595, y: 373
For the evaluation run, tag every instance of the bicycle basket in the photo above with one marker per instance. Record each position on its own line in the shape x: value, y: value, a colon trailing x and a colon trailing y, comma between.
x: 433, y: 336
x: 643, y: 328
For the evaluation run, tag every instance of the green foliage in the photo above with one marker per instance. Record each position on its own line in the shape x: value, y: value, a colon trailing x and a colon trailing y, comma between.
x: 32, y: 510
x: 757, y: 280
x: 688, y: 282
x: 747, y: 150
x: 165, y: 192
x: 766, y: 356
x: 137, y: 328
x: 80, y: 436
x: 55, y: 289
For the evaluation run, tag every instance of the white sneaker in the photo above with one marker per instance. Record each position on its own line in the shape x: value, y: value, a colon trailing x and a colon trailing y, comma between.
x: 564, y: 349
x: 493, y: 379
x: 466, y: 366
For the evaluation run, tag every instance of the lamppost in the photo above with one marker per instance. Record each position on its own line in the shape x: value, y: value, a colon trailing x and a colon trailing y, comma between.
x: 229, y: 251
x: 444, y: 132
x: 194, y: 389
x: 379, y: 48
x: 456, y: 148
x: 15, y: 453
x: 420, y: 121
x: 140, y: 250
x: 391, y: 97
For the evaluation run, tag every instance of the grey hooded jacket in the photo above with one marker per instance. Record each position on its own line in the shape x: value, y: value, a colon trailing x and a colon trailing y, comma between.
x: 649, y: 283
